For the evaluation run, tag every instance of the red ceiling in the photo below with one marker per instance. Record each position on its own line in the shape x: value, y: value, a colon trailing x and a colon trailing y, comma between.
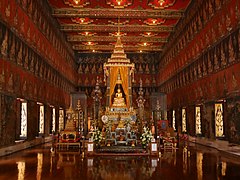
x: 136, y: 4
x: 144, y: 24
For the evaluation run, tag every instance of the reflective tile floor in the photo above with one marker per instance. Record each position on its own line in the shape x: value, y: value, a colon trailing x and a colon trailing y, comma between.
x: 188, y: 162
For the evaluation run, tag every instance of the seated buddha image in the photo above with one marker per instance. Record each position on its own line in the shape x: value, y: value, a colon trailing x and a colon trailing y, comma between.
x: 121, y: 124
x: 118, y: 100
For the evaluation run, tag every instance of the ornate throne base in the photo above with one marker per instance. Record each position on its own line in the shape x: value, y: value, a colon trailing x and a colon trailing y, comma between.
x: 122, y: 149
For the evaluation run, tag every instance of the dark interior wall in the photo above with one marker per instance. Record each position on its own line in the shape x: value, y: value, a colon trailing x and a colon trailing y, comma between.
x: 202, y: 65
x: 32, y: 123
x: 232, y: 129
x: 36, y: 64
x: 190, y: 115
x: 8, y: 118
x: 48, y: 120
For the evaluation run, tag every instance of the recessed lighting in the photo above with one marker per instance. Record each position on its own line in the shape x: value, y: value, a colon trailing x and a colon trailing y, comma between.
x: 119, y: 2
x: 161, y: 2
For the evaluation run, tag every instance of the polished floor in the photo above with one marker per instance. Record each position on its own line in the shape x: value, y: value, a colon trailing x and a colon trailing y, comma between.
x: 188, y: 162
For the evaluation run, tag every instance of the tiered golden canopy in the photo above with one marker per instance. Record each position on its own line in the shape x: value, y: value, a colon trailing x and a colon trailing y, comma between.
x: 119, y: 64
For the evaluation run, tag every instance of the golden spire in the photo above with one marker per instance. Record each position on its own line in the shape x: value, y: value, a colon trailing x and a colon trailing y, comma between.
x: 118, y: 52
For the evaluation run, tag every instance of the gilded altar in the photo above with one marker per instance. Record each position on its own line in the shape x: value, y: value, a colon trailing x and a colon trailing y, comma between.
x: 118, y: 76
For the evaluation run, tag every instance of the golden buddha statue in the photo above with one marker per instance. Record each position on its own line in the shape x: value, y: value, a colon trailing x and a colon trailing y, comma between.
x: 121, y: 124
x: 119, y: 101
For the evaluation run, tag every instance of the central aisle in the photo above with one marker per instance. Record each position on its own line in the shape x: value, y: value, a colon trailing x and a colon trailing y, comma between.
x: 188, y: 162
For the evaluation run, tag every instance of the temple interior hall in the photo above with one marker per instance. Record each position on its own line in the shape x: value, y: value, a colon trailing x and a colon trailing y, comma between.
x: 119, y: 89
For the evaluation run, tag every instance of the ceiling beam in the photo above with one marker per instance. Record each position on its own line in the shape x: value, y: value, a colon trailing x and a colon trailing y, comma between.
x: 115, y: 13
x: 76, y: 38
x: 110, y: 48
x: 112, y: 28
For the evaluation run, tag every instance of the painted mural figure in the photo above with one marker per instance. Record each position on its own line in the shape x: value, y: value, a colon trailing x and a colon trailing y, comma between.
x: 184, y: 126
x: 219, y: 120
x: 198, y: 120
x: 24, y: 121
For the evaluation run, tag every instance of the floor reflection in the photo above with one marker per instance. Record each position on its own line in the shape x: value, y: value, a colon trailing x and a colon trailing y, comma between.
x: 39, y: 165
x: 187, y: 162
x: 121, y: 167
x: 21, y: 170
x: 199, y: 164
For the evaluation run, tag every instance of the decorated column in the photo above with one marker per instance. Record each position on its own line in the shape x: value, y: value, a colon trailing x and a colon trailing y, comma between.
x: 97, y: 104
x: 140, y: 103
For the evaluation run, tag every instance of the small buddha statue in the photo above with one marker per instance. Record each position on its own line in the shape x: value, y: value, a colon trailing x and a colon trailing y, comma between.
x: 119, y: 101
x: 121, y: 124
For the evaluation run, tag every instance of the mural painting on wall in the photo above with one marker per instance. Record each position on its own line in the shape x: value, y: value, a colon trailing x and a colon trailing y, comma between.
x: 13, y: 79
x: 218, y: 55
x: 219, y: 120
x: 23, y: 119
x: 173, y: 120
x: 198, y: 119
x: 184, y: 123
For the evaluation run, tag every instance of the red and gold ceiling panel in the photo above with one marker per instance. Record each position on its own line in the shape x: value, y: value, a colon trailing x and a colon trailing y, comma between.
x: 77, y: 3
x: 144, y: 25
x: 89, y: 43
x: 154, y: 22
x: 86, y: 33
x: 144, y: 44
x: 168, y: 4
x: 148, y: 34
x: 119, y: 3
x: 79, y: 20
x: 161, y: 4
x: 127, y: 4
x: 114, y: 21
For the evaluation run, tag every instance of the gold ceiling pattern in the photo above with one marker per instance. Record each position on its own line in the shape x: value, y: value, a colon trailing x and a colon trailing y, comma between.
x: 92, y: 25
